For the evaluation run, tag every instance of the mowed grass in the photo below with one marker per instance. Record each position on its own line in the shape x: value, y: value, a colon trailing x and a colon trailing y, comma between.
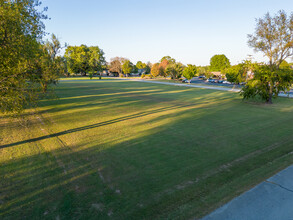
x: 116, y: 149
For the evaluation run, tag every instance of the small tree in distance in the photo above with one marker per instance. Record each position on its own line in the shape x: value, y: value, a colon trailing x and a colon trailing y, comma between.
x: 190, y: 71
x: 155, y: 70
x: 127, y: 67
x: 219, y: 63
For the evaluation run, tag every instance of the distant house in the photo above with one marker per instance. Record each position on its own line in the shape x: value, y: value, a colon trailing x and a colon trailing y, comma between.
x: 216, y: 74
x: 141, y: 71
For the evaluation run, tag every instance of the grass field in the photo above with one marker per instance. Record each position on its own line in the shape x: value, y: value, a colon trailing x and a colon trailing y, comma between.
x: 130, y: 150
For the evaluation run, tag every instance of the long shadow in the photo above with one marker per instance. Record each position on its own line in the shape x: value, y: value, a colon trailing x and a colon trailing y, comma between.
x: 100, y: 124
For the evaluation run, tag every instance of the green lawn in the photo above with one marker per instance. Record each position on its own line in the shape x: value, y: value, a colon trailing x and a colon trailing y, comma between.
x: 130, y: 150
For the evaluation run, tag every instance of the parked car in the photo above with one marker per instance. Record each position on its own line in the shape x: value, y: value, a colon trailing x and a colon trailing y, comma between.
x: 220, y: 81
x: 185, y: 81
x: 226, y: 82
x: 210, y: 80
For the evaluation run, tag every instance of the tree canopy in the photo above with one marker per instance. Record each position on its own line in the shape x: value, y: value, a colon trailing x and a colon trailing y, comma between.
x: 219, y: 62
x: 155, y: 70
x: 174, y: 70
x: 140, y: 65
x: 190, y: 71
x: 268, y: 83
x: 169, y: 59
x: 127, y: 67
x: 82, y: 59
x: 21, y: 32
x: 274, y: 37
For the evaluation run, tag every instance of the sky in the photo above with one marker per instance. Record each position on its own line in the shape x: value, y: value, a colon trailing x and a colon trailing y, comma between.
x: 191, y: 31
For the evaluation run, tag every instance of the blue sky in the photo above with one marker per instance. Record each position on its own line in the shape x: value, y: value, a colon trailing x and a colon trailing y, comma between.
x: 191, y: 31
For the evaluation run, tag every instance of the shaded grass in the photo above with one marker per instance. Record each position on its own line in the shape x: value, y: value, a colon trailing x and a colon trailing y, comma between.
x: 129, y: 150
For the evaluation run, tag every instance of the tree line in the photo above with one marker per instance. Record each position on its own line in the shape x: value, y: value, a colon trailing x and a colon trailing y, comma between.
x: 29, y: 64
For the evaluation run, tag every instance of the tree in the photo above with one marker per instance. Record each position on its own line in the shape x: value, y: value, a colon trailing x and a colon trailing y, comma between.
x: 48, y: 67
x: 169, y: 59
x: 127, y: 67
x: 82, y: 59
x: 116, y: 65
x: 203, y: 70
x: 219, y: 63
x: 274, y: 37
x: 236, y: 74
x: 134, y: 69
x: 174, y: 70
x: 140, y: 65
x: 190, y: 71
x: 162, y: 66
x: 268, y: 83
x: 78, y: 59
x: 21, y: 31
x: 148, y: 67
x: 97, y: 60
x: 53, y: 47
x: 155, y: 70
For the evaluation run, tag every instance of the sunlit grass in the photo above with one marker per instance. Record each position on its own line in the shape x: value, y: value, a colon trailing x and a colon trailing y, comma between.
x: 130, y: 150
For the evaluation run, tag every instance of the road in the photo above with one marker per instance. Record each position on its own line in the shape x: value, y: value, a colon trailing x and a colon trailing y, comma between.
x: 216, y: 87
x: 270, y: 200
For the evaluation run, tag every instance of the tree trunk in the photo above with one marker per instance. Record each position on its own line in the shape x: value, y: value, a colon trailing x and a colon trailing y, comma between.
x: 270, y: 98
x: 44, y: 86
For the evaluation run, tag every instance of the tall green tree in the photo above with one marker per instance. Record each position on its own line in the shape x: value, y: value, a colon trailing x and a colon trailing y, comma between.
x: 268, y: 83
x: 169, y: 59
x: 21, y: 31
x: 48, y: 67
x: 78, y: 59
x: 273, y: 37
x: 97, y: 61
x: 140, y: 65
x: 127, y: 67
x: 174, y: 70
x: 82, y: 59
x: 219, y: 62
x: 190, y: 71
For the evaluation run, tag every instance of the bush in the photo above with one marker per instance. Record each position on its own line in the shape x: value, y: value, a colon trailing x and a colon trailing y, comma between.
x: 142, y: 75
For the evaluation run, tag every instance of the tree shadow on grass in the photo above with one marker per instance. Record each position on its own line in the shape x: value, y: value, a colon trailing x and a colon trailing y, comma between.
x: 157, y: 175
x: 109, y: 122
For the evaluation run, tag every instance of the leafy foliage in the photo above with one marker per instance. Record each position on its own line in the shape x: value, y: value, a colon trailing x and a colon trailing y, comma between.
x: 82, y: 59
x: 219, y: 63
x: 140, y: 65
x: 162, y: 67
x: 21, y: 31
x: 190, y: 71
x: 174, y: 70
x: 155, y: 70
x: 169, y: 59
x: 274, y: 37
x: 268, y: 83
x: 127, y: 67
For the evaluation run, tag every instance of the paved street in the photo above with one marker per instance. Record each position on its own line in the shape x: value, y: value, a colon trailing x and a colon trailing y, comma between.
x: 270, y: 200
x: 215, y: 87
